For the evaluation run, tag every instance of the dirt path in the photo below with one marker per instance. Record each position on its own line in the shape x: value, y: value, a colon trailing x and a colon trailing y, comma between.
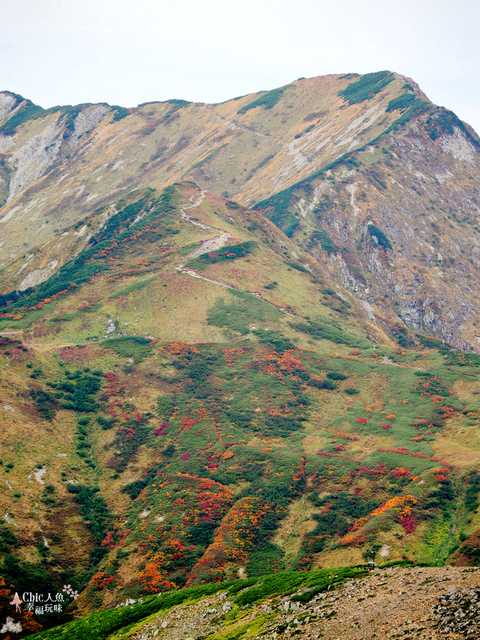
x: 205, y: 247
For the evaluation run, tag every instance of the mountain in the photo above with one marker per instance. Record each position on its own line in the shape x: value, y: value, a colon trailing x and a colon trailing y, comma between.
x: 363, y: 171
x: 200, y: 386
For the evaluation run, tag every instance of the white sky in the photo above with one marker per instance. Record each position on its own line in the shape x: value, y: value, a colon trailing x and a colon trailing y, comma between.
x: 131, y: 51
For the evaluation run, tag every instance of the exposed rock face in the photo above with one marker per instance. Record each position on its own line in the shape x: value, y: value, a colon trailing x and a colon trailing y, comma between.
x: 400, y: 222
x: 459, y: 612
x: 32, y: 159
x: 8, y: 102
x: 38, y: 276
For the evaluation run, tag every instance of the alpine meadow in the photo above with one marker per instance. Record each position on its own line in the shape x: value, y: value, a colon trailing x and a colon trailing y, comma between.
x: 239, y: 359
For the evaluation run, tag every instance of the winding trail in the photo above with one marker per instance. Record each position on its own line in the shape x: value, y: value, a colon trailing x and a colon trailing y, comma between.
x: 209, y: 245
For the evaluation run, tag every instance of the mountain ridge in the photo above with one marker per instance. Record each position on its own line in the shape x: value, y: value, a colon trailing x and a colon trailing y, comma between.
x: 248, y: 139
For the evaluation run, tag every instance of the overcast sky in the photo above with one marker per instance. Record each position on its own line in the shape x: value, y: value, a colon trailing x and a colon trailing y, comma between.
x: 131, y: 51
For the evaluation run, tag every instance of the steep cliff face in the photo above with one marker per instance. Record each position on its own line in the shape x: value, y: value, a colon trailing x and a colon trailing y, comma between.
x: 399, y: 223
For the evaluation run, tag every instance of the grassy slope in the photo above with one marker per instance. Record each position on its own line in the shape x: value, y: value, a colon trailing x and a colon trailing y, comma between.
x: 260, y: 415
x: 245, y: 155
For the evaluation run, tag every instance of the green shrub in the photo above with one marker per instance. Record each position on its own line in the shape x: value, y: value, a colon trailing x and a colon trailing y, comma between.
x: 267, y: 101
x: 402, y: 102
x: 324, y: 331
x: 321, y: 237
x: 44, y: 402
x: 381, y: 238
x: 119, y: 113
x: 275, y: 339
x: 297, y: 266
x: 134, y: 347
x: 323, y: 384
x: 79, y: 391
x: 336, y: 375
x: 473, y: 491
x: 265, y: 558
x: 443, y: 121
x: 277, y: 209
x: 106, y: 423
x: 289, y: 230
x: 230, y: 252
x: 93, y: 508
x: 271, y: 285
x: 169, y: 450
x: 307, y: 130
x: 366, y: 87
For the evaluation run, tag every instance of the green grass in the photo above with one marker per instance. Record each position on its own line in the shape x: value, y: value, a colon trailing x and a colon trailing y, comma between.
x: 238, y: 314
x: 134, y: 286
x: 230, y: 252
x: 323, y: 330
x: 134, y: 347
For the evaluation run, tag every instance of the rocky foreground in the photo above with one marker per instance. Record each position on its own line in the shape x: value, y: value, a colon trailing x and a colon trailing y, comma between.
x: 421, y: 603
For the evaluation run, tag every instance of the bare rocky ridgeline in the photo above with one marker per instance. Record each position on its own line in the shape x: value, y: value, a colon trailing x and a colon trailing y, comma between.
x: 411, y: 603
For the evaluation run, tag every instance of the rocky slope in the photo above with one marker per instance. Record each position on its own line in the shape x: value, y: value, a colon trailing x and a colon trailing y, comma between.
x: 61, y: 164
x: 423, y: 603
x: 398, y: 224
